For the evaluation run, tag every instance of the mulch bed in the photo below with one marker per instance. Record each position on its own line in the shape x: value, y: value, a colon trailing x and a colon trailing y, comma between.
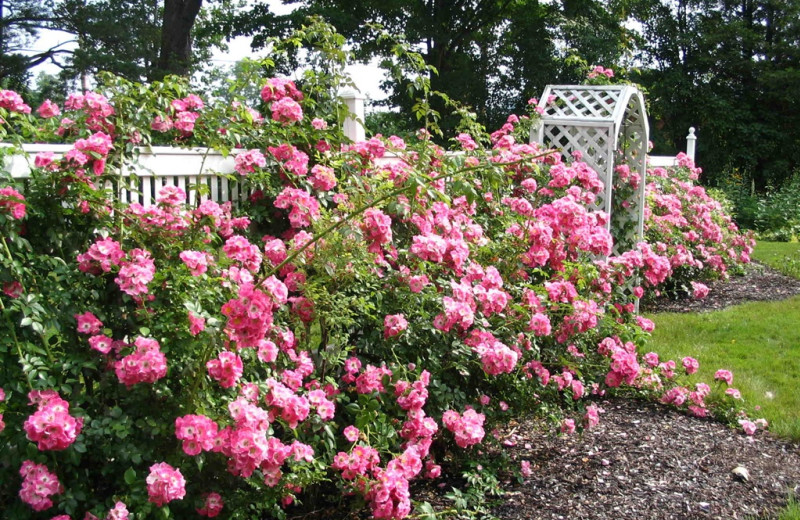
x: 646, y: 461
x: 759, y: 283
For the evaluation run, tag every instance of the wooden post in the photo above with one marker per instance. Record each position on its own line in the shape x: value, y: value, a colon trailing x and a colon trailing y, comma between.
x: 691, y: 140
x: 354, y: 124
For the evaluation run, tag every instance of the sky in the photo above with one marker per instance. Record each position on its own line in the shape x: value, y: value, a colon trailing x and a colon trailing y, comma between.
x: 366, y: 77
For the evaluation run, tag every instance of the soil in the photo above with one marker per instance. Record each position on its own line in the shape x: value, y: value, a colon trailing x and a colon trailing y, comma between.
x: 645, y: 461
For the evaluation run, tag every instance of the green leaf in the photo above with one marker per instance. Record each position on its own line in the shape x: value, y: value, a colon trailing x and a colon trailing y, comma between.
x: 425, y: 511
x: 130, y: 476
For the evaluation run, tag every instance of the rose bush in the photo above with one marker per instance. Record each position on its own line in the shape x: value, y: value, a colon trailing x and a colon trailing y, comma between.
x: 688, y: 226
x: 361, y: 321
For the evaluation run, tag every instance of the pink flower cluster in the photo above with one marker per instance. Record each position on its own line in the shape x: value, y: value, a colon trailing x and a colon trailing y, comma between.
x: 323, y: 178
x: 691, y: 228
x: 377, y: 227
x: 284, y: 97
x: 286, y: 404
x: 86, y: 150
x: 165, y: 484
x: 286, y: 110
x: 388, y: 495
x: 12, y: 202
x: 104, y: 253
x: 279, y: 88
x: 371, y: 379
x: 238, y: 248
x: 118, y: 512
x: 293, y: 160
x: 304, y: 207
x: 373, y: 148
x: 198, y: 433
x: 51, y: 427
x: 624, y: 362
x: 249, y: 447
x: 599, y: 70
x: 394, y: 324
x: 136, y: 273
x: 250, y: 315
x: 38, y: 485
x: 97, y: 108
x: 196, y: 261
x: 184, y: 114
x: 699, y: 290
x: 412, y: 396
x: 185, y: 121
x: 13, y: 102
x: 357, y: 463
x: 227, y: 368
x: 467, y: 427
x: 88, y: 323
x: 496, y: 357
x: 146, y: 365
x: 48, y: 109
x: 247, y: 162
x: 212, y: 505
x: 724, y: 375
x: 690, y: 364
x: 197, y: 324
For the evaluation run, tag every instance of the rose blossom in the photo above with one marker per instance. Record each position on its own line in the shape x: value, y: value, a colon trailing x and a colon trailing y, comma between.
x: 165, y: 484
x: 394, y: 324
x: 724, y: 375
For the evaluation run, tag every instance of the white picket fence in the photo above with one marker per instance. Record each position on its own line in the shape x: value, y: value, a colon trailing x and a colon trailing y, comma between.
x: 159, y: 166
x: 155, y: 167
x: 666, y: 160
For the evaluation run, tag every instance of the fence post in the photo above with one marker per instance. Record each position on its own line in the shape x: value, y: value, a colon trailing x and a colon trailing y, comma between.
x: 354, y: 124
x: 690, y: 143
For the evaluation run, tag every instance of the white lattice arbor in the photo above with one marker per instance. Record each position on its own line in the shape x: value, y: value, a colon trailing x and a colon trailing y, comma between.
x: 608, y: 124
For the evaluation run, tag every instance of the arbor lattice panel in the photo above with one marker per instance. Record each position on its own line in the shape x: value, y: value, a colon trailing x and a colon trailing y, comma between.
x: 608, y: 124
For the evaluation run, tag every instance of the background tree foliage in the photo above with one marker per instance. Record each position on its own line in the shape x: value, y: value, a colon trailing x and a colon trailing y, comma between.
x: 731, y: 70
x: 489, y: 54
x: 136, y: 39
x: 728, y: 68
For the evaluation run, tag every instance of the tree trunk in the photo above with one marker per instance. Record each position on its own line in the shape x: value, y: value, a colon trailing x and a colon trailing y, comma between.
x: 176, y: 37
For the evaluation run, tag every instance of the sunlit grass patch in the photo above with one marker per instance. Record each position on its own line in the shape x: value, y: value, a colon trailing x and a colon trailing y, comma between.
x: 781, y: 256
x: 759, y: 342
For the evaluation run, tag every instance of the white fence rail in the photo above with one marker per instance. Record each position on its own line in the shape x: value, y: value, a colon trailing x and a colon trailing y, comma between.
x: 153, y: 168
x: 159, y: 166
x: 666, y: 160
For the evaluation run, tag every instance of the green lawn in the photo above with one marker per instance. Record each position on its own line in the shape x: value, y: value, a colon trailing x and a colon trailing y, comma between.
x: 759, y: 342
x: 792, y: 511
x: 783, y: 256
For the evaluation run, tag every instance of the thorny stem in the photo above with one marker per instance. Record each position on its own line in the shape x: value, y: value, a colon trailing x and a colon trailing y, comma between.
x: 12, y: 328
x: 398, y: 191
x: 199, y: 373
